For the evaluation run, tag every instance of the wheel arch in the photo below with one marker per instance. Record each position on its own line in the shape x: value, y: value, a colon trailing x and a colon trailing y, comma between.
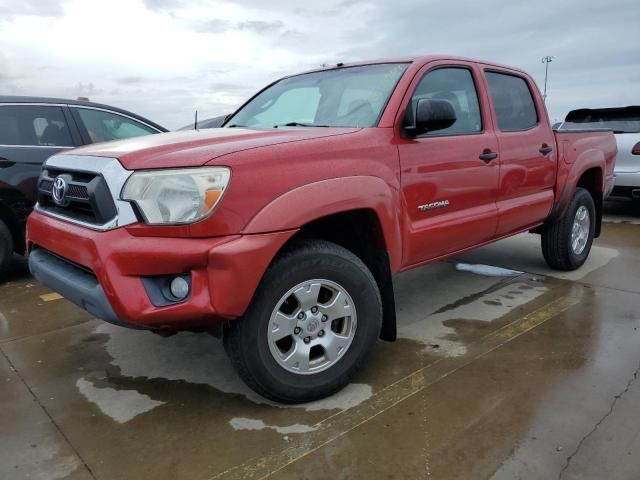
x: 586, y: 172
x: 337, y: 196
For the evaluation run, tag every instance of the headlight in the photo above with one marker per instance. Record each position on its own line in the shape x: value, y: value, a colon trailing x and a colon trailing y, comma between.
x: 176, y: 196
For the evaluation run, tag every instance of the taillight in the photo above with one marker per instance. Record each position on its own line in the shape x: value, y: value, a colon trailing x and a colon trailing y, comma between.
x: 636, y: 149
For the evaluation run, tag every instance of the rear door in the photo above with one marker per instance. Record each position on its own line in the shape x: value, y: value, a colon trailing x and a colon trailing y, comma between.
x: 450, y: 176
x: 29, y: 134
x: 528, y: 160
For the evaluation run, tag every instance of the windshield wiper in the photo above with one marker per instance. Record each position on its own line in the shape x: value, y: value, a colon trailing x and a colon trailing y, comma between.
x: 235, y: 125
x: 300, y: 124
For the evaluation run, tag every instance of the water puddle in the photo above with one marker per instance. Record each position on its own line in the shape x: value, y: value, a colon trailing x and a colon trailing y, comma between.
x: 487, y: 270
x: 239, y: 423
x: 491, y: 306
x: 195, y: 358
x: 120, y: 405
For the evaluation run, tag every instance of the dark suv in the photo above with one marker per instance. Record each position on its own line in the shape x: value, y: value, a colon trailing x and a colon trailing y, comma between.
x: 31, y: 130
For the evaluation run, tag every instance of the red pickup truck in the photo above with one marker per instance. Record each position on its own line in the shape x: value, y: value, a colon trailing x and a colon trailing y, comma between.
x: 286, y: 226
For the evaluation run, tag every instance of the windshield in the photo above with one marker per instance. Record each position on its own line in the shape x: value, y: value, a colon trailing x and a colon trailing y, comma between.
x: 620, y: 120
x: 344, y: 97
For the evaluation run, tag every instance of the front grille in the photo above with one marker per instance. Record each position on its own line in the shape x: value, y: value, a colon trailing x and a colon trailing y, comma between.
x: 80, y: 192
x: 87, y: 198
x: 46, y: 186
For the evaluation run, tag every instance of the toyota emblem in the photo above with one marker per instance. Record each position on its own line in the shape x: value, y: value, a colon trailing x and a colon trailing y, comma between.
x: 59, y: 190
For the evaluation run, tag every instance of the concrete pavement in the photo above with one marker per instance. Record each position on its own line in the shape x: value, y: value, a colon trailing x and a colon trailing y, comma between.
x: 515, y: 372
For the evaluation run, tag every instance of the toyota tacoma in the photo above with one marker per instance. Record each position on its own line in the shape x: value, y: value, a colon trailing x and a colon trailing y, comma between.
x: 284, y: 228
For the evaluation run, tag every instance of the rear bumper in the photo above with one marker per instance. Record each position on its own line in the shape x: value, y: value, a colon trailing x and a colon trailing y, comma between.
x: 627, y: 179
x: 103, y: 272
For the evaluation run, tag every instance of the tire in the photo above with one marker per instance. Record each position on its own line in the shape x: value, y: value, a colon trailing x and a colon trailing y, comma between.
x: 6, y: 247
x: 557, y: 238
x: 260, y: 360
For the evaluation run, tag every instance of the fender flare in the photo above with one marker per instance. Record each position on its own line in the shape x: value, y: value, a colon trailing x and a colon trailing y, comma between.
x: 295, y: 208
x: 587, y: 160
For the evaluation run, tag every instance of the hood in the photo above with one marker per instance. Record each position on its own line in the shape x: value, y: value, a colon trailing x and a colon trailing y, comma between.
x: 194, y: 148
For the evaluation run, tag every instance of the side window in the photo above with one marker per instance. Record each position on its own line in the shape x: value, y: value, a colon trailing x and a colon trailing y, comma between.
x: 33, y: 125
x: 512, y: 101
x: 106, y: 126
x: 457, y: 87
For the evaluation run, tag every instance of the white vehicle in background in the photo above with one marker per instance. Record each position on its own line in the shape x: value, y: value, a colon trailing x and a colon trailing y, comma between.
x: 625, y: 123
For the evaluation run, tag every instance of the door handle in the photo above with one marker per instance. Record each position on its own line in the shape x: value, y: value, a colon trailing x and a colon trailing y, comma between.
x: 487, y: 156
x: 4, y: 163
x: 544, y: 149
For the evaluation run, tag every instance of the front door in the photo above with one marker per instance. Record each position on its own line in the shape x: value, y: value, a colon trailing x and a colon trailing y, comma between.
x: 450, y: 176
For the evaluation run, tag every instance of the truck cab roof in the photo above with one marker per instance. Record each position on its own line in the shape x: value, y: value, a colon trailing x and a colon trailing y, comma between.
x: 417, y: 59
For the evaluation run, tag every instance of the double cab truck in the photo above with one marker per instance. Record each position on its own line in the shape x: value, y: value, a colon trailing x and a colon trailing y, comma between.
x: 284, y: 228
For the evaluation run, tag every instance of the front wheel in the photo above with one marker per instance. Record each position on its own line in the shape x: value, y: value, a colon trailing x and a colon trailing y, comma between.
x: 314, y: 318
x: 567, y: 242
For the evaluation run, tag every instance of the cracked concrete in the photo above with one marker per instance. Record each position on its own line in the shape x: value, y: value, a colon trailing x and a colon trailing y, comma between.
x: 595, y: 428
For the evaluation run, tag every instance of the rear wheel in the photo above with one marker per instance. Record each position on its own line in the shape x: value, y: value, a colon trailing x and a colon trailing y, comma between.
x: 315, y: 317
x: 567, y: 242
x: 6, y: 247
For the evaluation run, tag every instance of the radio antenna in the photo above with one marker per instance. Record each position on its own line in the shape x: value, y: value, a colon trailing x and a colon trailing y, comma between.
x: 195, y: 122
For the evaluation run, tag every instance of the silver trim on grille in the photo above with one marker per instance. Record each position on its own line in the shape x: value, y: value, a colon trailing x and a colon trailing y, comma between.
x: 114, y: 174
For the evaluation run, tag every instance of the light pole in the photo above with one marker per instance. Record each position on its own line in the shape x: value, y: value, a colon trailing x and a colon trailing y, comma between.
x: 546, y: 60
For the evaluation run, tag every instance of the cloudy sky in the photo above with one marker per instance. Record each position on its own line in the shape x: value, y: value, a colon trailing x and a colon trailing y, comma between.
x: 166, y: 58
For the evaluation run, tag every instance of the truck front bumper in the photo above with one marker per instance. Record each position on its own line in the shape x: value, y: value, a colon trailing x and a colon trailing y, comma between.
x: 75, y: 284
x: 105, y: 272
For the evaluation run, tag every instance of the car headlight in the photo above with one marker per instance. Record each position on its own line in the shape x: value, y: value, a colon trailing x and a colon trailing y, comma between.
x: 178, y: 195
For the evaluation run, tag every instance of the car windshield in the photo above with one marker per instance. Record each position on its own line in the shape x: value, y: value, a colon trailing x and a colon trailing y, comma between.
x: 342, y: 97
x: 620, y: 120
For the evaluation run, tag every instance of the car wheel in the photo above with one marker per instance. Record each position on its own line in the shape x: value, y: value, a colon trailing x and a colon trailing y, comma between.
x: 566, y: 243
x: 314, y: 319
x: 6, y: 247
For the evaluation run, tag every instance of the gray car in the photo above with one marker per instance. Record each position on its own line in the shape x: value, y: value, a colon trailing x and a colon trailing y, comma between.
x: 625, y: 123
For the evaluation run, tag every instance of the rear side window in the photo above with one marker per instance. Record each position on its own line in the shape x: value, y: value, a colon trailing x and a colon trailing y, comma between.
x: 32, y: 125
x: 512, y: 101
x: 105, y: 126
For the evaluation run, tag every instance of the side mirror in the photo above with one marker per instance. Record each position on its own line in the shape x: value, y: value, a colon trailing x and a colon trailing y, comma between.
x: 432, y: 115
